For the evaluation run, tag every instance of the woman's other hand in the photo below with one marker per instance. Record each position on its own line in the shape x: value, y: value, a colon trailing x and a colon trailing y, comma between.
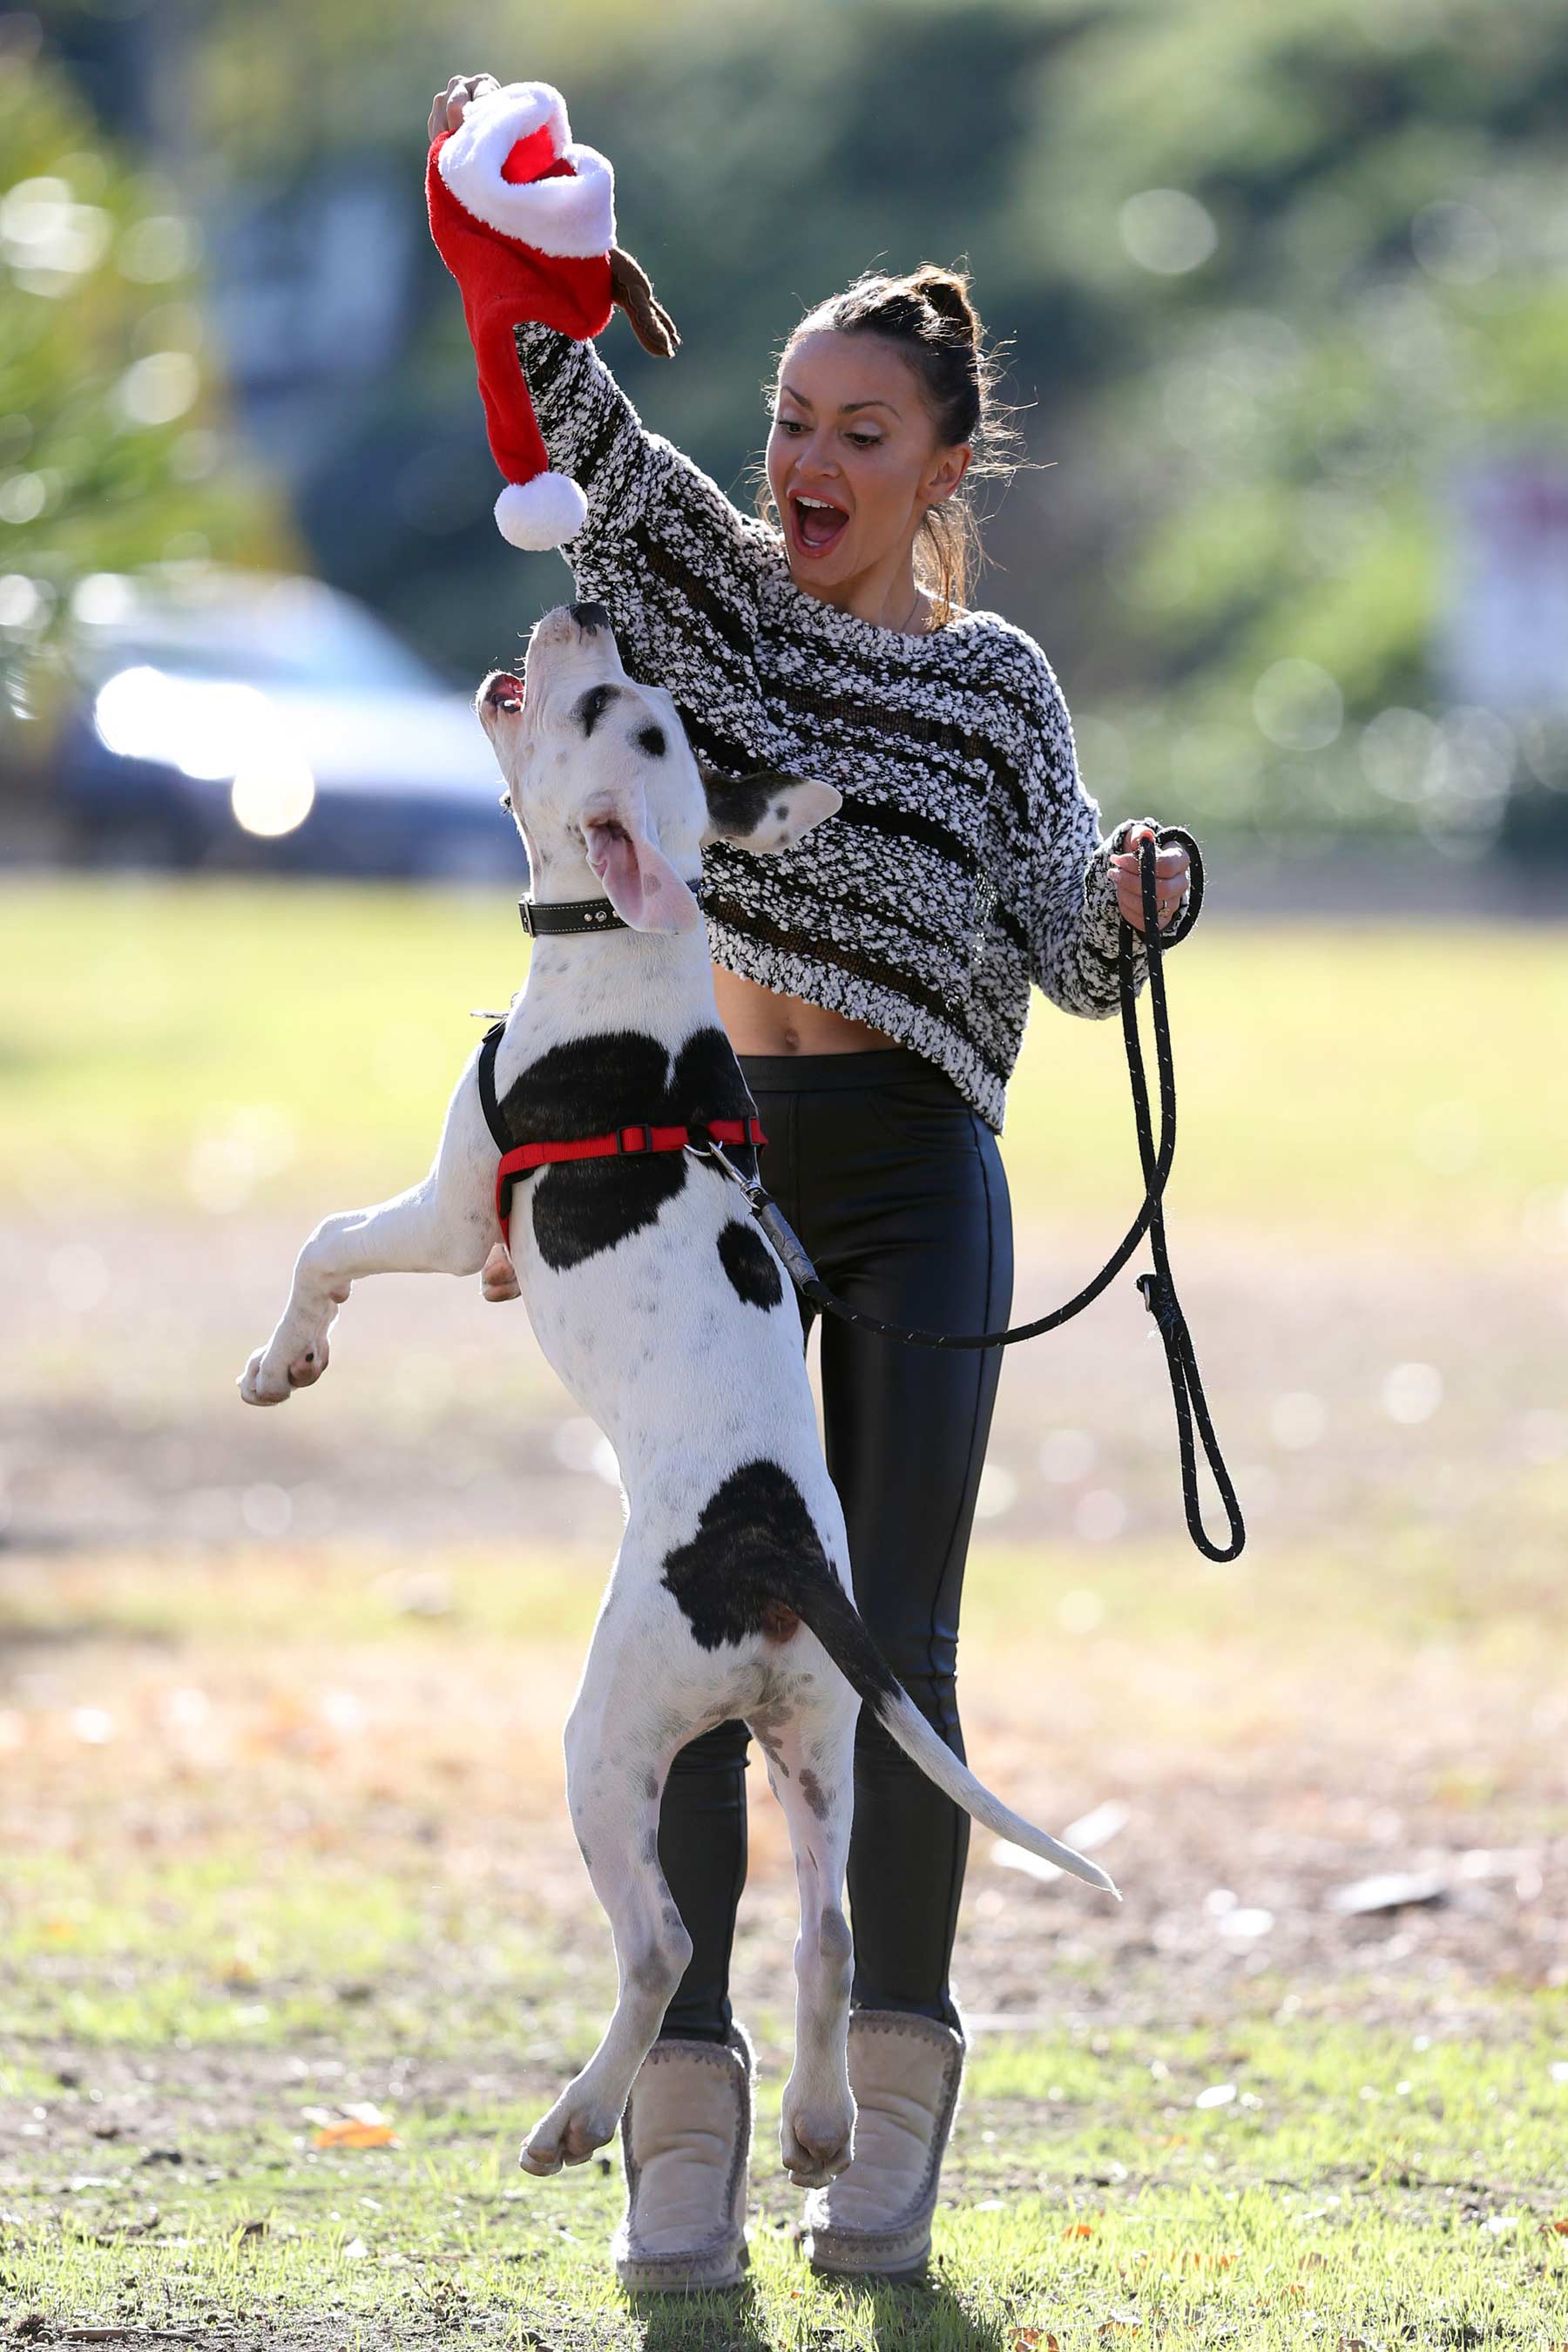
x: 452, y: 103
x: 1170, y: 879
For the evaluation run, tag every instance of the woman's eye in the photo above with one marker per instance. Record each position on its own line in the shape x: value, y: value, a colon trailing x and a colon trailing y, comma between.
x: 792, y: 425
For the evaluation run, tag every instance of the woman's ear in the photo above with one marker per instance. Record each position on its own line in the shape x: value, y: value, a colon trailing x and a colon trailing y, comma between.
x: 766, y: 812
x: 947, y: 472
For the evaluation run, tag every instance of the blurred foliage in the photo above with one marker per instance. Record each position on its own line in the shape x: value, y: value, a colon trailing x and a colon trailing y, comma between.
x: 1270, y: 275
x: 111, y: 453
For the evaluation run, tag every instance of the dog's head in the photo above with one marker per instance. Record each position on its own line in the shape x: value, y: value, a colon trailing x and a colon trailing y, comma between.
x: 600, y: 775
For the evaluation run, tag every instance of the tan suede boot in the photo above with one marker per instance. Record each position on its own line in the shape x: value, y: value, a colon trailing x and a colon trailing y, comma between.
x: 876, y: 2217
x: 687, y: 2138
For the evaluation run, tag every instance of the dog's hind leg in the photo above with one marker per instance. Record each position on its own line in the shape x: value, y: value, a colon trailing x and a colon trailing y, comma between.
x: 811, y: 1766
x: 620, y: 1742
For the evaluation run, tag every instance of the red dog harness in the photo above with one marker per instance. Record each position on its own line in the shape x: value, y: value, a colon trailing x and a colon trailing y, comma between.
x: 621, y: 1144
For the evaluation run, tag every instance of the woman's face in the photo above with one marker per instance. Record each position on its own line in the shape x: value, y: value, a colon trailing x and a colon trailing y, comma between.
x: 854, y: 460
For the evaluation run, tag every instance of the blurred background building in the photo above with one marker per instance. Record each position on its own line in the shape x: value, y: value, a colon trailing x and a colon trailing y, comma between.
x: 1286, y: 294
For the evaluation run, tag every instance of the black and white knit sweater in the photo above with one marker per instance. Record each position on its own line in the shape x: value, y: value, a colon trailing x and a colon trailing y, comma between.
x: 965, y: 860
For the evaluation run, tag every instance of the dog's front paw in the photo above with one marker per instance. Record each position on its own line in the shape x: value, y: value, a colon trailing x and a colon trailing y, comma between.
x: 270, y: 1378
x: 264, y: 1381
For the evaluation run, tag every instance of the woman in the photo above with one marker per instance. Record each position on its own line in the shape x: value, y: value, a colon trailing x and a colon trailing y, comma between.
x: 875, y: 984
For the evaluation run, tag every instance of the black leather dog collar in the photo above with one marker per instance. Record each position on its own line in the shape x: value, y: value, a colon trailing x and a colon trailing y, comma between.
x: 571, y: 918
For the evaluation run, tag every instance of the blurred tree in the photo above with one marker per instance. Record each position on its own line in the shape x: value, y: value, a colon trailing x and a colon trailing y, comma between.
x: 1323, y: 246
x: 111, y: 453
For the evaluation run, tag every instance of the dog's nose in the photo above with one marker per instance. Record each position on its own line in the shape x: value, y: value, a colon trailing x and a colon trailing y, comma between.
x: 589, y: 617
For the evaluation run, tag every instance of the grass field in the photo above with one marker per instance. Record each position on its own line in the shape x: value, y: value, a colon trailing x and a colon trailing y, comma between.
x: 229, y: 1040
x: 284, y: 1845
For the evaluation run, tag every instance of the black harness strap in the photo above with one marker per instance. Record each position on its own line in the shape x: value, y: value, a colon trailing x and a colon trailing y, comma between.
x: 490, y: 1044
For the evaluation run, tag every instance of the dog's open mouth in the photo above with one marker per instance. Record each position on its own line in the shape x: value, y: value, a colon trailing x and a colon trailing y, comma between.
x: 504, y: 692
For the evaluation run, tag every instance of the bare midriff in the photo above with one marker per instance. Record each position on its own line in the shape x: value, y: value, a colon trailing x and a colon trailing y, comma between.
x: 759, y: 1021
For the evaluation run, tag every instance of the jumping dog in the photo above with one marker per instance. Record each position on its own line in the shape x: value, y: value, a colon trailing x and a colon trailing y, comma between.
x: 666, y: 1314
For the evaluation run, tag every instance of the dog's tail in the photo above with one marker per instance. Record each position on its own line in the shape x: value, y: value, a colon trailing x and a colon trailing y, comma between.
x: 821, y: 1600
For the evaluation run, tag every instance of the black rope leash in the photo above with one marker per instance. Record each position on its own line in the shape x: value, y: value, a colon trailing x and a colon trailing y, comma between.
x: 1158, y: 1288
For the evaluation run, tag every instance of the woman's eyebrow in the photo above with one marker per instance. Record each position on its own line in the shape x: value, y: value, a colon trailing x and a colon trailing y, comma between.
x: 847, y: 408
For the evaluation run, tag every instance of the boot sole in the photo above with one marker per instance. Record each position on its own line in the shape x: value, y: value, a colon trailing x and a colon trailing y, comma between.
x: 873, y: 2260
x: 671, y: 2275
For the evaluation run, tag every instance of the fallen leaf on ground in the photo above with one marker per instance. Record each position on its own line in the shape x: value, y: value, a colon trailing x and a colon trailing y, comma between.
x: 1078, y: 2229
x: 1032, y: 2340
x: 351, y: 2133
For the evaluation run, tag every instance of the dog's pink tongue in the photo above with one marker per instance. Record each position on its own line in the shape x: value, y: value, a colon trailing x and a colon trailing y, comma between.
x: 614, y: 861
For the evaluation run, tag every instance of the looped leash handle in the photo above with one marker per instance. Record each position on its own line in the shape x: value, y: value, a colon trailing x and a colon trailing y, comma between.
x: 1192, y: 1408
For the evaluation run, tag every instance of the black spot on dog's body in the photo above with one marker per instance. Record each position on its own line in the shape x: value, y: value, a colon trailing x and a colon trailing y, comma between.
x: 754, y: 1548
x: 616, y: 1078
x: 590, y: 616
x: 816, y: 1795
x: 591, y: 706
x: 749, y: 1264
x: 650, y: 738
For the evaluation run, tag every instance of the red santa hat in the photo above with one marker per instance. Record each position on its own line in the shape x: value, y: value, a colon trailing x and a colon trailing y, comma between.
x: 525, y: 222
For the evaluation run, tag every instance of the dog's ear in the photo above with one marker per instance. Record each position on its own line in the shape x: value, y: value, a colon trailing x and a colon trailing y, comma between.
x: 766, y: 812
x: 641, y: 884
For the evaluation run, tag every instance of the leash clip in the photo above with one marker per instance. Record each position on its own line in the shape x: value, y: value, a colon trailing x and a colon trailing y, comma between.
x: 715, y: 1151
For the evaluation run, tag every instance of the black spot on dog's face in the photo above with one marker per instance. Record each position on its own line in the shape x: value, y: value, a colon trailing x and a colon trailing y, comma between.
x: 590, y: 708
x: 749, y: 1264
x: 756, y: 1546
x: 616, y: 1078
x: 651, y: 740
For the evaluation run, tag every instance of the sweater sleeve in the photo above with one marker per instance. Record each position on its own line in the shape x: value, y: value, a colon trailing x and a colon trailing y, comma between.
x: 674, y: 560
x: 1074, y: 923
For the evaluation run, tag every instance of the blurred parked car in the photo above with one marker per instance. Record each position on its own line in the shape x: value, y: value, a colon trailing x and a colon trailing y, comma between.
x: 235, y: 720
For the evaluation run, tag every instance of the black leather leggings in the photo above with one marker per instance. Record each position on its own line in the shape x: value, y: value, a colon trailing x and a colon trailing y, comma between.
x: 896, y: 1188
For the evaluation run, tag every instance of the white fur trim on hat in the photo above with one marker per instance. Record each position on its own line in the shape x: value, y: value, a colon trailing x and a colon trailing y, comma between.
x: 540, y: 513
x: 572, y: 218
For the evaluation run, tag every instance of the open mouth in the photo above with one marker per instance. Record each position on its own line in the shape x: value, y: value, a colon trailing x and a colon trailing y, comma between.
x: 816, y: 524
x: 504, y: 692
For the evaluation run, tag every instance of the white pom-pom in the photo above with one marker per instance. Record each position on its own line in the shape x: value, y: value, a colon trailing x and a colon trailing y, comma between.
x: 542, y: 514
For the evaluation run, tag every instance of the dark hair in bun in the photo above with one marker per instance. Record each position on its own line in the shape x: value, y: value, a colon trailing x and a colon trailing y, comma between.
x: 929, y: 314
